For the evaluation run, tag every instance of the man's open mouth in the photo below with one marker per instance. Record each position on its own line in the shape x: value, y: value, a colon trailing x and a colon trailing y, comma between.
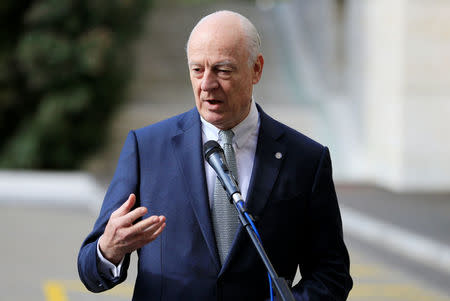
x: 213, y: 101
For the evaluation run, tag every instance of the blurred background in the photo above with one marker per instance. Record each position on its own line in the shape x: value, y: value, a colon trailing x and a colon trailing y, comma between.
x: 368, y: 78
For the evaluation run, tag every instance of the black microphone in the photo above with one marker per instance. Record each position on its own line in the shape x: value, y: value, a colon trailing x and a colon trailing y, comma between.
x: 215, y: 156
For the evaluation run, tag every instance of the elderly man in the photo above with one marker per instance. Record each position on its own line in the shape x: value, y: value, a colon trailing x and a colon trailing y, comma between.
x: 203, y: 253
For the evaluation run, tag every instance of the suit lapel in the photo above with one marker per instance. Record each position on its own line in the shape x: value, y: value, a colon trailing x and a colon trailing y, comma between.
x: 187, y: 145
x: 267, y: 163
x: 268, y: 158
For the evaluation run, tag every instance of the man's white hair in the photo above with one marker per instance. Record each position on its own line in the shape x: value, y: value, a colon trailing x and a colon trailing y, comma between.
x: 251, y: 35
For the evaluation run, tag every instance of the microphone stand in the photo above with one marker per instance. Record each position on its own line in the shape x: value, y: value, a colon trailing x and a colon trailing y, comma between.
x: 280, y: 283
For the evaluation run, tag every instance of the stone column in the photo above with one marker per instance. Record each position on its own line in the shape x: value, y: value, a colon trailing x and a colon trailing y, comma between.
x: 399, y: 71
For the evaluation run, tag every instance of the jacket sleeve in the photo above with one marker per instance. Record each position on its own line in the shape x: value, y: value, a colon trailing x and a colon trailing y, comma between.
x: 325, y: 268
x: 125, y: 181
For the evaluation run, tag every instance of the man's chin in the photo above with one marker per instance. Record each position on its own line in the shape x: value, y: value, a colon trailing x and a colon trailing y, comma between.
x: 217, y: 119
x: 214, y: 118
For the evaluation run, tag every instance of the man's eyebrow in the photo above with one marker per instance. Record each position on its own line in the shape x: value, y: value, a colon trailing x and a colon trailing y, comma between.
x: 225, y: 63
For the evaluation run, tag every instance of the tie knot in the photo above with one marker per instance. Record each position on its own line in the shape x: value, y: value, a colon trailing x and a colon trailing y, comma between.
x: 226, y: 136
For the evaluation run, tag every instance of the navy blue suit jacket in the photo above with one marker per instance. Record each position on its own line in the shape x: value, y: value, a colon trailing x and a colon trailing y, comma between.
x: 293, y: 199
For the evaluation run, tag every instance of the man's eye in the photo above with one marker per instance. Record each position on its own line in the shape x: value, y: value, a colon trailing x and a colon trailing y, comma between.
x: 226, y: 71
x: 196, y: 70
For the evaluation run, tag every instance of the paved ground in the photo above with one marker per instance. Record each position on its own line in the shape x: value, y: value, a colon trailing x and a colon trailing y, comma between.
x: 40, y: 243
x: 426, y: 214
x: 380, y: 275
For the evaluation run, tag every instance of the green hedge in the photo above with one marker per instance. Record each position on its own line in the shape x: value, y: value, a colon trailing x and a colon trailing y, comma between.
x: 63, y: 68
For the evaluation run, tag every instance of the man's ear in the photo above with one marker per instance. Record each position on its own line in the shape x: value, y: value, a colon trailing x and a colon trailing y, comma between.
x: 258, y: 68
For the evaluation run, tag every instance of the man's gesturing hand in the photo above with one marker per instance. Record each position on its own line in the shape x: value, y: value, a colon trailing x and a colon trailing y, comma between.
x: 122, y: 237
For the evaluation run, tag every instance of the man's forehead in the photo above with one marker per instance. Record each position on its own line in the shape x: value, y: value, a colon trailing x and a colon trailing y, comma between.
x: 216, y: 50
x: 224, y: 41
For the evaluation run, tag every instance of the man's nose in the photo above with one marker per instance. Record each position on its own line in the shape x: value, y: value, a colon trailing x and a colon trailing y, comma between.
x: 209, y: 81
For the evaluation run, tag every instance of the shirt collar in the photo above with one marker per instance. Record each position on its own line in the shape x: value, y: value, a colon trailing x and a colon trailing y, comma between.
x: 242, y: 131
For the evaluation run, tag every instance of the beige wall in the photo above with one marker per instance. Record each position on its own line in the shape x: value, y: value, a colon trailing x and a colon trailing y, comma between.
x: 399, y: 71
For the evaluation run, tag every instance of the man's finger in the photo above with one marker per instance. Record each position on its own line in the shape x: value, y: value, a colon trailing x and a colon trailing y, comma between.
x: 144, y: 225
x: 143, y: 238
x: 126, y: 207
x: 151, y: 233
x: 133, y: 215
x: 158, y: 231
x: 155, y: 230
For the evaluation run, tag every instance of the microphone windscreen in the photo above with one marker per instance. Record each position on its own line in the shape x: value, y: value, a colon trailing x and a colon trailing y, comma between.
x: 210, y: 147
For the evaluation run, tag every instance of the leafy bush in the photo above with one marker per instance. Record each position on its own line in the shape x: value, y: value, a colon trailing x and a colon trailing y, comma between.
x: 63, y: 68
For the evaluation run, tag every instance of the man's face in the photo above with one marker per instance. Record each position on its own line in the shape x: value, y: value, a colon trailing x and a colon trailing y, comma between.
x: 221, y: 77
